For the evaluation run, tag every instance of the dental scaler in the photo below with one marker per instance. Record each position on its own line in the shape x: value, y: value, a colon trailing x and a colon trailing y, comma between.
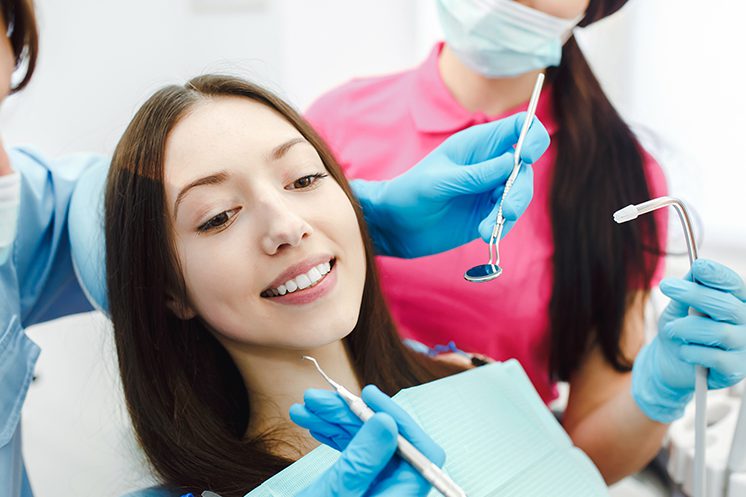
x: 429, y: 471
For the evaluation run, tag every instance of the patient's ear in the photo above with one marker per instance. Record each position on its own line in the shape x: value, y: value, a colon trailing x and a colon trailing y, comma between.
x: 180, y: 308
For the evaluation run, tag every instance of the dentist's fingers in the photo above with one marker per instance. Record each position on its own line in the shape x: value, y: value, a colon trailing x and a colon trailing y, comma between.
x: 704, y: 331
x: 329, y: 406
x: 520, y: 195
x: 719, y: 277
x: 709, y: 274
x: 482, y: 177
x: 361, y: 463
x: 717, y: 304
x: 726, y: 368
x: 516, y: 203
x: 536, y: 142
x: 409, y: 429
x: 334, y: 435
x: 486, y: 141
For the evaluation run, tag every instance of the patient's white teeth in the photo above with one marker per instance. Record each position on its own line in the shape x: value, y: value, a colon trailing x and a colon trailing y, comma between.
x: 303, y: 281
x: 314, y: 275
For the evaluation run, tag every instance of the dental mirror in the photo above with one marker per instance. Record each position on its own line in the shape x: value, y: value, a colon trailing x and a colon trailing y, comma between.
x: 491, y: 270
x: 483, y: 272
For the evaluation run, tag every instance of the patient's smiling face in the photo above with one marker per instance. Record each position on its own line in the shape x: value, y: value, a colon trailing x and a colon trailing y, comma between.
x: 269, y: 245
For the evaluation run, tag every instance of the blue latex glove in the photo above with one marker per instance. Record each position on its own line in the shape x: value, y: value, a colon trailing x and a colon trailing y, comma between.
x: 331, y: 422
x: 663, y: 373
x: 450, y: 197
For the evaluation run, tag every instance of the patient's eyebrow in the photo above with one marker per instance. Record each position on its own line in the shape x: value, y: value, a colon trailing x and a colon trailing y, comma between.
x: 213, y: 179
x: 282, y: 149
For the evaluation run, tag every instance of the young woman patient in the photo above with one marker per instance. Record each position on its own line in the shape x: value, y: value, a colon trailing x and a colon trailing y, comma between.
x: 233, y: 247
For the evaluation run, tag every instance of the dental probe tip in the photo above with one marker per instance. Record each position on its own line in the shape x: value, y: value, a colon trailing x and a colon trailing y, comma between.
x: 321, y: 371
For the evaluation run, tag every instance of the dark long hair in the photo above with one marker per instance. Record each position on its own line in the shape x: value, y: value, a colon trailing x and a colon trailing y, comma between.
x: 186, y: 398
x: 599, y: 168
x: 24, y: 37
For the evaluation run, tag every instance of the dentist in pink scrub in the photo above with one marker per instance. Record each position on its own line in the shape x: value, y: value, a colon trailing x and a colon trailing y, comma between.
x: 569, y: 304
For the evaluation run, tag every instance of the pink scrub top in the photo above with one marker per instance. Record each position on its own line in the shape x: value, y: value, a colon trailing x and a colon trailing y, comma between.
x: 378, y: 128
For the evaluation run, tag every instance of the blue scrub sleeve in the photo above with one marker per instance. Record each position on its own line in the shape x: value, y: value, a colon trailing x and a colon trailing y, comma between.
x: 47, y: 283
x: 86, y: 226
x: 37, y: 283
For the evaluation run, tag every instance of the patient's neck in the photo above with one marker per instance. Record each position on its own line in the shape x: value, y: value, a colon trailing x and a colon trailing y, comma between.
x: 276, y: 379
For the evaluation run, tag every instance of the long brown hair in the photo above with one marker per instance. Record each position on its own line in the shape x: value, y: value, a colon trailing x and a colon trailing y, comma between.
x: 20, y: 23
x: 187, y: 400
x: 599, y: 169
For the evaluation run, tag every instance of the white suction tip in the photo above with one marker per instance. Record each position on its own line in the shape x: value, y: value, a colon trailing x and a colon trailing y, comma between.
x: 626, y: 214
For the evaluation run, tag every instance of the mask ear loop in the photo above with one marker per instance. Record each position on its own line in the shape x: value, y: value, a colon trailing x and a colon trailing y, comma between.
x: 571, y: 31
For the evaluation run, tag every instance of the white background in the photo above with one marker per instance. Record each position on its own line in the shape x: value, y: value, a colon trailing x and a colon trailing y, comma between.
x: 674, y: 68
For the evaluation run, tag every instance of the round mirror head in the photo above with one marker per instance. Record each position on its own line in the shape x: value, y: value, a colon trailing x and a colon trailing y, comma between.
x: 483, y: 272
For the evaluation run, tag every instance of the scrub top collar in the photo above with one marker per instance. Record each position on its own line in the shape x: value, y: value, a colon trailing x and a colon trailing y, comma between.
x: 435, y: 110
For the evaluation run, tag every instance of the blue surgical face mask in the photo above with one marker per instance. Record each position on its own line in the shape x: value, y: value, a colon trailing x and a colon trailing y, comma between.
x: 503, y: 38
x: 9, y: 201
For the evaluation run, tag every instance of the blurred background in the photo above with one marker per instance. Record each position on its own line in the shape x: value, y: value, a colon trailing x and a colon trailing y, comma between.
x: 670, y: 66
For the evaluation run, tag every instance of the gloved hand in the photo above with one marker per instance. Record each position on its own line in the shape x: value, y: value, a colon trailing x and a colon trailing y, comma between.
x: 331, y: 422
x: 663, y: 373
x: 450, y: 197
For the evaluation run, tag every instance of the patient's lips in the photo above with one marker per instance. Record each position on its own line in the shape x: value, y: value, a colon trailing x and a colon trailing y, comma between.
x: 303, y: 283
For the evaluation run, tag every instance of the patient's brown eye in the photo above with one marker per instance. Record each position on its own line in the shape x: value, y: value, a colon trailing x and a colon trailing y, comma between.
x: 217, y: 222
x: 307, y: 181
x: 303, y: 182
